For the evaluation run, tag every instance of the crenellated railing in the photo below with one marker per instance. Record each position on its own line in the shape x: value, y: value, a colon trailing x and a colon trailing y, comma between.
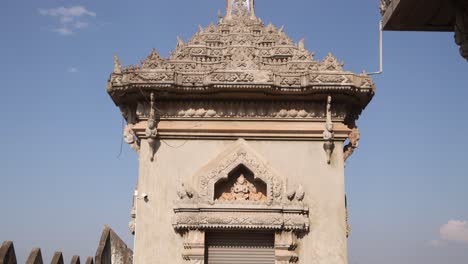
x: 111, y: 250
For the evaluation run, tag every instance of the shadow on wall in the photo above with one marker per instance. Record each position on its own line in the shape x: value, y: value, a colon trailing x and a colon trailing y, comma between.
x: 111, y: 250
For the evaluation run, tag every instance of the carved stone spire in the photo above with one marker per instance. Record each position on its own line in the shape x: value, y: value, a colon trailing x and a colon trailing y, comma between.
x: 117, y: 65
x: 240, y: 8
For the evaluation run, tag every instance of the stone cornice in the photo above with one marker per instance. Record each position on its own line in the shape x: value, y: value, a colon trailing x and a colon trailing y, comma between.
x: 242, y: 129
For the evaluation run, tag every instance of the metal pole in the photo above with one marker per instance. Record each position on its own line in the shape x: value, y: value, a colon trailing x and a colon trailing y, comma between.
x: 380, y: 51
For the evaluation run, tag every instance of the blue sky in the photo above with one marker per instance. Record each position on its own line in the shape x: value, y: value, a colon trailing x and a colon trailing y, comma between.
x: 62, y: 177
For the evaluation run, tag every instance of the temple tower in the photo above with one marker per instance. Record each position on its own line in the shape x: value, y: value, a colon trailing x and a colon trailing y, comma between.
x: 242, y: 138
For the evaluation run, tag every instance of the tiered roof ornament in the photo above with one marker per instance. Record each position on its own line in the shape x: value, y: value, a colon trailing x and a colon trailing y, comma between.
x: 240, y: 58
x: 239, y: 51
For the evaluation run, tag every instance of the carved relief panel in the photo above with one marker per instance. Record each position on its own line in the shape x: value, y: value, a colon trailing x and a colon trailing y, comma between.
x: 240, y: 190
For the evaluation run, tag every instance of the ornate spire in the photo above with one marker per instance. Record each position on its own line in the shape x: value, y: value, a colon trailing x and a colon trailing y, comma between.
x: 240, y: 8
x: 117, y: 65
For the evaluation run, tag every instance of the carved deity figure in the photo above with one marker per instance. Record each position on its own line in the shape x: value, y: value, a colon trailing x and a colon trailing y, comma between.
x: 243, y: 190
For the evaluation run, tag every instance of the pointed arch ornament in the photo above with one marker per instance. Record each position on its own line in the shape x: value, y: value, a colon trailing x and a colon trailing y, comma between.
x: 202, y: 211
x: 197, y: 210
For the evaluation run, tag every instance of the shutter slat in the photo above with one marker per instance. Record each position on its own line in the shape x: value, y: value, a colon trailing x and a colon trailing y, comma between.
x: 240, y: 248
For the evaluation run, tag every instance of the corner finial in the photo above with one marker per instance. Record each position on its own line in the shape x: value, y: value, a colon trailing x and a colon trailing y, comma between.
x: 301, y: 44
x: 180, y: 42
x: 117, y: 65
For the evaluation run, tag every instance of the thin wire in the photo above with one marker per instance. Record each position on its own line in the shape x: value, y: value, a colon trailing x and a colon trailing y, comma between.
x: 121, y: 140
x: 167, y: 144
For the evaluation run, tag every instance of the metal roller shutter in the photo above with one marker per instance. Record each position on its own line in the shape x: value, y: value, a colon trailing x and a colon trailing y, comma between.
x: 240, y: 248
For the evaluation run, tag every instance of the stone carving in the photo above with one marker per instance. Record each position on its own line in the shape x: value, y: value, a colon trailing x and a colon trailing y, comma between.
x: 241, y: 154
x: 240, y: 109
x: 151, y: 131
x: 285, y: 245
x: 130, y: 138
x: 89, y: 260
x: 194, y: 246
x: 328, y: 134
x: 270, y: 210
x: 240, y: 8
x: 184, y: 192
x: 117, y: 65
x: 261, y: 218
x: 330, y: 63
x: 239, y: 52
x: 297, y: 194
x: 243, y: 190
x: 353, y: 144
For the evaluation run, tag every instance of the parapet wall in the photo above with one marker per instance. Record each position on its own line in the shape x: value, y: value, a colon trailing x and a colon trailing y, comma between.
x: 111, y: 250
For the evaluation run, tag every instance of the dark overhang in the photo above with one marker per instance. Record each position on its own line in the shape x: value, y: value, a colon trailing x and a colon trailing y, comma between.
x: 418, y: 15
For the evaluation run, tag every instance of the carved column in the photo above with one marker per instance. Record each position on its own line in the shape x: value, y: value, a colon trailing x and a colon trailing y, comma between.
x: 285, y: 244
x: 194, y: 247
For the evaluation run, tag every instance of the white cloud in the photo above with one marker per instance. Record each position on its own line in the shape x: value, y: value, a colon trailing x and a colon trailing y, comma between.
x: 69, y: 19
x: 455, y: 230
x: 72, y: 70
x: 62, y: 12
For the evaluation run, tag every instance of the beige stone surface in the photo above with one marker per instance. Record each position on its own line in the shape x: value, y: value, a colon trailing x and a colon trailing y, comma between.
x: 301, y: 162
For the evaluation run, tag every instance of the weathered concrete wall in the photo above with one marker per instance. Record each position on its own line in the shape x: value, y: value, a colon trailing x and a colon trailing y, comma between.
x: 35, y: 257
x: 112, y: 250
x: 7, y: 253
x: 57, y: 258
x: 301, y: 162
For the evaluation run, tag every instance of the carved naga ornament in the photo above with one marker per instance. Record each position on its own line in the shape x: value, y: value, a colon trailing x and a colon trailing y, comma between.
x: 328, y: 134
x: 151, y: 131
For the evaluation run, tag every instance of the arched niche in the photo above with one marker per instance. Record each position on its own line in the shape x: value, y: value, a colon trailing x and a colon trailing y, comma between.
x: 240, y: 186
x: 204, y: 210
x: 237, y: 158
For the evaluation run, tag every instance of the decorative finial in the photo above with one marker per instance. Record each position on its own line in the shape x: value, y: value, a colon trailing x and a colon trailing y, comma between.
x: 301, y: 44
x: 240, y: 8
x: 180, y: 42
x: 328, y: 134
x: 117, y: 65
x: 220, y: 15
x: 151, y: 131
